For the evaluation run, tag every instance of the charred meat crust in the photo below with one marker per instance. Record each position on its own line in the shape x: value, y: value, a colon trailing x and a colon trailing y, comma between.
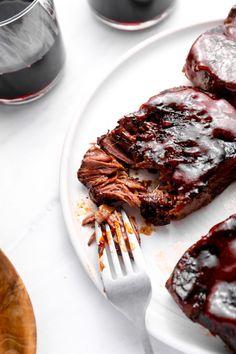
x: 185, y: 136
x: 210, y: 64
x: 203, y: 282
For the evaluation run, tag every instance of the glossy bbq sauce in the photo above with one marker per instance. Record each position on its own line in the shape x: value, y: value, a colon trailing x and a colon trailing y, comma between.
x: 204, y: 281
x: 31, y: 50
x: 130, y: 11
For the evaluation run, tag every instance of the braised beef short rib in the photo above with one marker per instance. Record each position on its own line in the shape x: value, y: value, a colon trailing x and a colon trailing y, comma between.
x: 203, y: 282
x: 211, y: 63
x: 185, y: 137
x: 107, y: 179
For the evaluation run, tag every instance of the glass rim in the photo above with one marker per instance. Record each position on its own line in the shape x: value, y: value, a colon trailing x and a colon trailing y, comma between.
x: 19, y: 14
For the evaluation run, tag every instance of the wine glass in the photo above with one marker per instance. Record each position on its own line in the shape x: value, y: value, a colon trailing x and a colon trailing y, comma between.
x: 32, y: 54
x: 131, y: 14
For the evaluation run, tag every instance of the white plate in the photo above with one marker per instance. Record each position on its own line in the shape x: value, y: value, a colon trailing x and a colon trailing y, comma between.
x: 150, y: 67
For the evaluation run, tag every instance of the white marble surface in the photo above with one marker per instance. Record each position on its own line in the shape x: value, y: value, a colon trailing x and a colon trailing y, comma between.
x: 72, y: 317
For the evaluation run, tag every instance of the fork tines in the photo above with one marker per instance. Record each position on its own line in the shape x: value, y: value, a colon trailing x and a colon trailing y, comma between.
x: 118, y: 247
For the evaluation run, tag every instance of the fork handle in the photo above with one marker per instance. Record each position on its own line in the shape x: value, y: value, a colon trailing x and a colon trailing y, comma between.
x: 146, y: 343
x: 145, y: 338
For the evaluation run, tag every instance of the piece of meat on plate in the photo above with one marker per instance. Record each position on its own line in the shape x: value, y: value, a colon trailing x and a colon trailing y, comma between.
x: 184, y: 136
x: 203, y: 282
x: 107, y: 180
x: 211, y: 63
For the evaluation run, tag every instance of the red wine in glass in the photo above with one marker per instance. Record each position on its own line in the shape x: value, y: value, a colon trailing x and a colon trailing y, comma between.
x: 31, y: 49
x: 131, y: 14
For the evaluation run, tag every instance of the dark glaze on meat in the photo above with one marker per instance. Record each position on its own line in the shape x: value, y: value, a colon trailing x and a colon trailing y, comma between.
x: 211, y: 63
x: 185, y: 136
x: 203, y: 282
x: 188, y: 138
x: 193, y: 134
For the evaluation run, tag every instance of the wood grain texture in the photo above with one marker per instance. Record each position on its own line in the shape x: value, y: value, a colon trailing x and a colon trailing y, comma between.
x: 17, y: 322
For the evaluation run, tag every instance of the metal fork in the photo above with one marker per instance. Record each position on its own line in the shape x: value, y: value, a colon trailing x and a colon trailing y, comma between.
x: 125, y: 279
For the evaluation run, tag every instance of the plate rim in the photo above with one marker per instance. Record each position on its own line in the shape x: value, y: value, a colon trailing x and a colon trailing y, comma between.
x: 68, y: 141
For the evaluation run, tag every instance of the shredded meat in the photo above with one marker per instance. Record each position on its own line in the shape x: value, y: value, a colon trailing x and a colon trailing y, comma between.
x: 185, y: 136
x: 107, y: 180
